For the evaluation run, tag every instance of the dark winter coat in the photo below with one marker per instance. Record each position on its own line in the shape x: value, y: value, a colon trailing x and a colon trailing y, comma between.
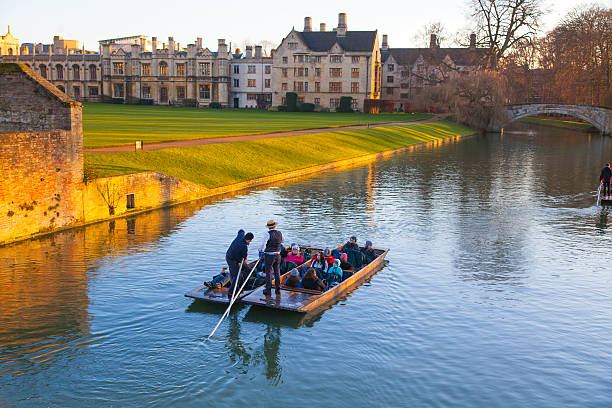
x: 606, y: 174
x: 238, y: 249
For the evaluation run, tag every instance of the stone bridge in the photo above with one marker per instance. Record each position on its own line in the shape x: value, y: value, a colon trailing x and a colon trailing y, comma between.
x: 598, y: 116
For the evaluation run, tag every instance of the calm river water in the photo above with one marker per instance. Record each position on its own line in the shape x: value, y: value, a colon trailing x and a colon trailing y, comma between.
x: 497, y: 292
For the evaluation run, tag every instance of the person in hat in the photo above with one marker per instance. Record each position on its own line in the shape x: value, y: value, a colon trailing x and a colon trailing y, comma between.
x: 368, y: 252
x: 605, y: 176
x: 293, y: 281
x: 334, y: 274
x: 351, y: 245
x: 235, y: 256
x: 271, y: 248
x: 345, y: 265
x: 328, y: 257
x: 295, y: 256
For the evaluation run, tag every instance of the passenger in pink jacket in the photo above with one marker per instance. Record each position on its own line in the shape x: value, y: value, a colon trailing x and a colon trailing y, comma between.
x: 295, y: 256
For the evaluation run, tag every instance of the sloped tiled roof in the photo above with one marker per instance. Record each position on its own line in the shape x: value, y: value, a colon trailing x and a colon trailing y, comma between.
x: 353, y: 41
x: 460, y: 56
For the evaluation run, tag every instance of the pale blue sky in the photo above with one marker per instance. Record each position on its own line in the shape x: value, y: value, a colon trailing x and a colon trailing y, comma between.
x: 238, y: 21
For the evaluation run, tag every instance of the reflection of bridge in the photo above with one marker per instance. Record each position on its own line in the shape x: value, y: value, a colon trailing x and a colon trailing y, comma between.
x: 598, y: 116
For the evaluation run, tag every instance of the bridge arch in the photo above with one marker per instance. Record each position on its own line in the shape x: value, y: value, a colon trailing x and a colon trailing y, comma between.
x: 598, y: 116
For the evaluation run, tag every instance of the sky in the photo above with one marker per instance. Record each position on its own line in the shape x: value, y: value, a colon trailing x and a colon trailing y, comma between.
x: 238, y: 21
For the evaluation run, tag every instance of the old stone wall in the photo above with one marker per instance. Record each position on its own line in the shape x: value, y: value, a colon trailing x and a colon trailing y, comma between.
x: 42, y: 168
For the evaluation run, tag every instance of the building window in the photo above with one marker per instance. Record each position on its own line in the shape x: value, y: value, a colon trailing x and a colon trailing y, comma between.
x: 317, y: 72
x: 59, y: 72
x: 292, y: 45
x: 77, y: 91
x: 355, y: 104
x: 180, y: 69
x: 267, y: 83
x: 334, y: 103
x: 335, y: 72
x: 355, y: 59
x: 305, y: 86
x: 317, y: 101
x: 404, y: 96
x: 317, y: 59
x: 317, y: 87
x: 389, y: 91
x: 355, y: 72
x: 76, y: 72
x: 284, y: 72
x: 93, y: 91
x: 180, y: 92
x: 390, y: 79
x: 404, y: 85
x: 284, y: 86
x: 205, y: 91
x: 390, y: 67
x: 93, y: 72
x: 300, y: 58
x: 268, y: 69
x: 335, y: 87
x: 130, y: 201
x: 251, y: 69
x: 146, y: 92
x: 146, y: 69
x: 335, y: 59
x: 251, y: 83
x: 205, y: 68
x: 251, y: 97
x: 163, y: 69
x: 354, y: 87
x: 117, y: 68
x: 236, y: 83
x: 405, y: 73
x: 118, y: 90
x: 298, y: 72
x: 305, y: 71
x: 236, y: 69
x: 285, y: 60
x: 300, y: 86
x: 43, y: 71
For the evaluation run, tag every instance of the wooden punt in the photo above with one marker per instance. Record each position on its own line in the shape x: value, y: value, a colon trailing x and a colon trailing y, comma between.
x: 306, y: 300
x: 219, y: 295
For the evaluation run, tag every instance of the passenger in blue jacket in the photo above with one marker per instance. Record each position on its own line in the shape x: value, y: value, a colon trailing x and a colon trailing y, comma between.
x: 236, y: 254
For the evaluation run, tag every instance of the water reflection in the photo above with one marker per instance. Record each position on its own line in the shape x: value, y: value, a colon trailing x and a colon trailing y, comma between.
x: 602, y: 222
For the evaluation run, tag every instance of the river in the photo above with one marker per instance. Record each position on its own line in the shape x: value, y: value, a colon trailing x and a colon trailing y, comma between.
x: 497, y: 291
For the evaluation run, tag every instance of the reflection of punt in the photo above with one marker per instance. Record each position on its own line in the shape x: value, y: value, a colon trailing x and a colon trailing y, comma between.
x: 305, y: 300
x: 603, y: 200
x: 219, y: 295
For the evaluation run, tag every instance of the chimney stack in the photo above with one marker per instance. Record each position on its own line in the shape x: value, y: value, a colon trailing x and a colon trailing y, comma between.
x: 433, y: 41
x: 307, y: 24
x: 154, y: 44
x: 249, y: 51
x: 323, y: 27
x: 472, y: 40
x: 384, y: 46
x: 171, y: 43
x: 222, y: 47
x: 341, y: 25
x: 258, y: 52
x: 199, y: 43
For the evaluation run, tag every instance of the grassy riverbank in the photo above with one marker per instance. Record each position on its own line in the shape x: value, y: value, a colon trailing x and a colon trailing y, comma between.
x: 222, y: 164
x: 111, y: 124
x: 567, y: 124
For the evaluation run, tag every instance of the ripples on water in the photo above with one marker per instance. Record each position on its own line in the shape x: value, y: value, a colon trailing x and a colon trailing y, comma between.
x: 497, y: 292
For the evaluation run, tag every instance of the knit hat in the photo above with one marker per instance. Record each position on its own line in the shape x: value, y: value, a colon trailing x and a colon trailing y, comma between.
x: 343, y: 257
x: 336, y: 262
x: 327, y: 252
x: 271, y: 224
x: 295, y: 247
x: 368, y: 244
x: 294, y: 272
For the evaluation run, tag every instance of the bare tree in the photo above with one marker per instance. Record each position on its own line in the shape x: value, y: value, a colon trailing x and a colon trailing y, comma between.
x: 423, y: 37
x: 500, y: 24
x: 110, y: 192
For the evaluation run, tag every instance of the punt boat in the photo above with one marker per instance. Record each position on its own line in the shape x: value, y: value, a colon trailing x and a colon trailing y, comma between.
x: 219, y: 295
x: 305, y: 300
x: 603, y: 200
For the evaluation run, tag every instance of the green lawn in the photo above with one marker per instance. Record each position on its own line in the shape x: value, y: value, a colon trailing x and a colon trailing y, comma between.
x: 558, y: 123
x: 109, y: 124
x: 221, y: 164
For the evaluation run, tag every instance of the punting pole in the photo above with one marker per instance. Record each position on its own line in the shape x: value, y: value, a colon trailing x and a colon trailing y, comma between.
x: 234, y: 296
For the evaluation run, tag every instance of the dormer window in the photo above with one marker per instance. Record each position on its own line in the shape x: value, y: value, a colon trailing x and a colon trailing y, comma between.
x: 391, y: 67
x: 335, y: 59
x: 292, y: 45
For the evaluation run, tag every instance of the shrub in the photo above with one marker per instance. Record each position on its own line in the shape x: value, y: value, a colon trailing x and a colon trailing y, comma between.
x: 307, y: 107
x: 282, y: 108
x: 146, y: 101
x: 273, y: 109
x: 117, y: 100
x: 89, y: 173
x: 190, y: 102
x: 291, y: 102
x: 214, y: 105
x: 345, y: 105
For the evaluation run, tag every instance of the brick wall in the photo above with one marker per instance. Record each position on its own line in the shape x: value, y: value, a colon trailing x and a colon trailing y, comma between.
x: 42, y: 169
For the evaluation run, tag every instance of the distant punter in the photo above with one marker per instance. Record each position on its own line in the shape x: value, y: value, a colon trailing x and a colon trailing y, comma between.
x: 271, y: 247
